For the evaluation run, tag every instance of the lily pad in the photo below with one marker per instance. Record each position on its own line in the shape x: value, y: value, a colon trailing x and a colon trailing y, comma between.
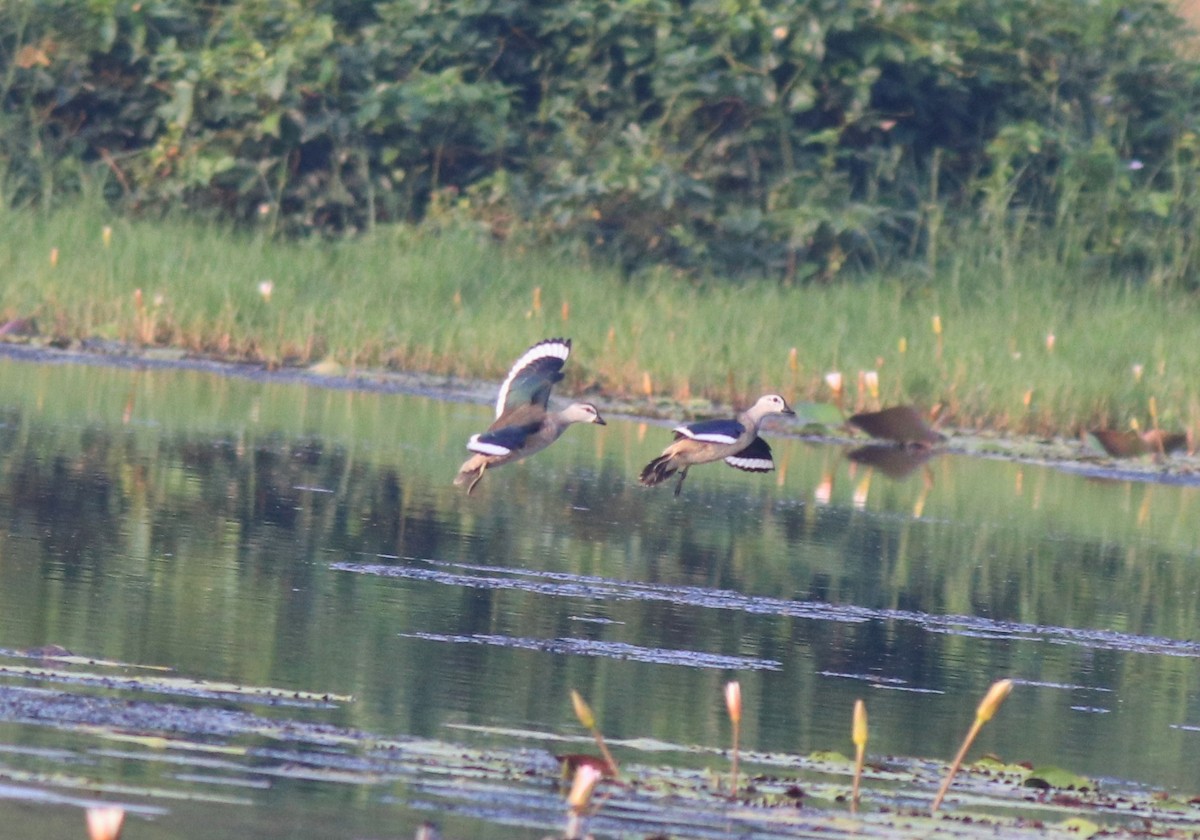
x: 1080, y: 826
x: 818, y: 414
x: 1048, y: 777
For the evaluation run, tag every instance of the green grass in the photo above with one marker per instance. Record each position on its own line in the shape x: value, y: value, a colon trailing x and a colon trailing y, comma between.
x: 453, y: 302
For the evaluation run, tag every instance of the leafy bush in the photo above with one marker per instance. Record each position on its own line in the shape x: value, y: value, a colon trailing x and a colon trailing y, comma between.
x: 722, y: 136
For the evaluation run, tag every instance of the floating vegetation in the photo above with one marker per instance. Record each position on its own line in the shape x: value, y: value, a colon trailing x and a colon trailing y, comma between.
x: 178, y: 686
x: 199, y: 751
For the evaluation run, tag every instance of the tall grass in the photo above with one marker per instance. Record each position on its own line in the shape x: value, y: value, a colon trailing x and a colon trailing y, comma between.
x: 1027, y: 344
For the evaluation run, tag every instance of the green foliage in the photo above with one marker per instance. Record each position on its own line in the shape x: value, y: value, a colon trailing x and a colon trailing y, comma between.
x: 751, y: 136
x: 1026, y: 345
x: 1055, y: 777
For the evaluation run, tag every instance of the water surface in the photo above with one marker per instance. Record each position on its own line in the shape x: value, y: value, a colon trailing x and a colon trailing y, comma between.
x: 305, y: 539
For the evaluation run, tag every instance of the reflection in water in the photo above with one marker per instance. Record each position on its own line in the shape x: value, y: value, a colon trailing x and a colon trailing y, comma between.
x: 896, y: 462
x: 311, y: 539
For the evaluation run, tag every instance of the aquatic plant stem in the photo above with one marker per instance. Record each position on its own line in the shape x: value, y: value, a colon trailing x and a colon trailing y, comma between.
x: 733, y: 702
x: 987, y: 708
x: 859, y: 736
x: 584, y: 712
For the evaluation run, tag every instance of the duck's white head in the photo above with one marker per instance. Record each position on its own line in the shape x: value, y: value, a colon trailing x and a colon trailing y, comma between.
x: 582, y: 413
x: 769, y: 404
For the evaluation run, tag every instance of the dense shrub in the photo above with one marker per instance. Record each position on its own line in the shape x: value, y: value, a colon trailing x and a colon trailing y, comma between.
x: 791, y: 138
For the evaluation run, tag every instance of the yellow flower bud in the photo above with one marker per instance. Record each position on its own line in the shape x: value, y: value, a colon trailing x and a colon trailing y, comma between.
x: 992, y: 700
x: 582, y: 710
x: 859, y: 731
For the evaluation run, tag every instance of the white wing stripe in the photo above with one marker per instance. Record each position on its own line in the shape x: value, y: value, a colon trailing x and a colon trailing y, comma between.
x: 475, y: 445
x: 751, y: 464
x: 545, y: 349
x: 710, y: 437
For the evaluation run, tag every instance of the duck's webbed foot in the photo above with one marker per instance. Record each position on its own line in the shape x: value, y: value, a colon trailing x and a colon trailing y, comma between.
x: 478, y: 477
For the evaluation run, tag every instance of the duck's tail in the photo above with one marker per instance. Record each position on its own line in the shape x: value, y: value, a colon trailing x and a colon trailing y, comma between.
x: 658, y: 470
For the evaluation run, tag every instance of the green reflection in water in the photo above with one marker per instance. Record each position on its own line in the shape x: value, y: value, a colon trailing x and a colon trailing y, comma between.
x: 249, y: 531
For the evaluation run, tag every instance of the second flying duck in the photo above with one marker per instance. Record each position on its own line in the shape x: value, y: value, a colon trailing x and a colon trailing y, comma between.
x: 735, y: 441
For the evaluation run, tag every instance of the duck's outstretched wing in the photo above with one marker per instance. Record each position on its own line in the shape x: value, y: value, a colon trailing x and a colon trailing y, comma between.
x: 504, y: 440
x: 532, y: 376
x: 711, y: 431
x: 756, y: 457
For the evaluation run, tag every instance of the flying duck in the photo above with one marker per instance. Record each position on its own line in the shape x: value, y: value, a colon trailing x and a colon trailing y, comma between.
x: 901, y: 424
x: 523, y: 425
x: 736, y: 441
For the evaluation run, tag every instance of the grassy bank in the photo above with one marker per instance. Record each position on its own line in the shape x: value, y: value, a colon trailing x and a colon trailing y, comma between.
x: 1024, y: 344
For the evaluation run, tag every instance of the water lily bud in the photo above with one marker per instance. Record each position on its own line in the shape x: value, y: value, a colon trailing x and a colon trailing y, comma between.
x: 992, y: 700
x: 871, y: 379
x: 105, y: 823
x: 582, y: 710
x: 859, y: 731
x: 586, y: 777
x: 733, y: 700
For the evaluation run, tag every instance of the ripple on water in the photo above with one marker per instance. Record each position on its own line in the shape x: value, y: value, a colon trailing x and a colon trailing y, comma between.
x: 592, y: 587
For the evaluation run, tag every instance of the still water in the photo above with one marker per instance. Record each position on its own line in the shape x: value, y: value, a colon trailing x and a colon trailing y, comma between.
x: 193, y: 527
